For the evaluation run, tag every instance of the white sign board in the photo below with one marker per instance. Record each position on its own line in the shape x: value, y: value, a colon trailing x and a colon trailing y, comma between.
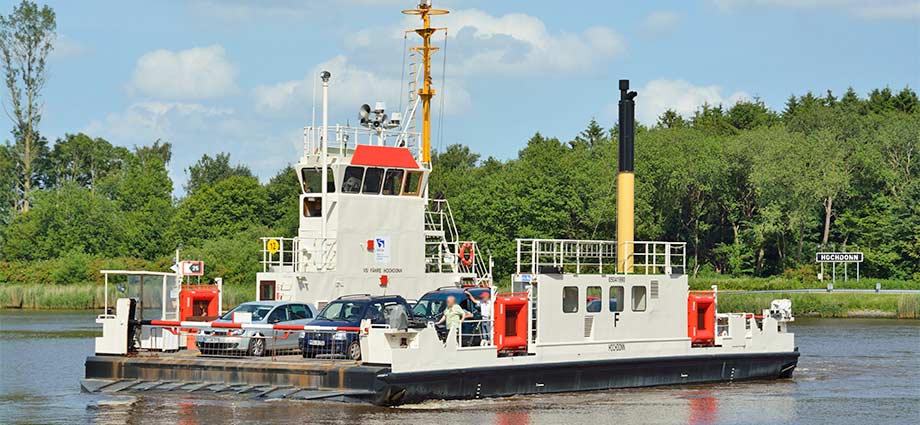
x: 382, y: 250
x: 192, y: 268
x: 839, y: 257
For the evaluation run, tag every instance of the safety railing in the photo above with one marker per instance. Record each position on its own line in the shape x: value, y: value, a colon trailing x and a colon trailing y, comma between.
x: 552, y: 256
x: 443, y: 248
x: 342, y: 140
x: 475, y: 333
x: 298, y: 254
x: 272, y: 342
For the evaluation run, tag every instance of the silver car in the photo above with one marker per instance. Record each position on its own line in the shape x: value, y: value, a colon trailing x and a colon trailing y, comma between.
x: 257, y: 342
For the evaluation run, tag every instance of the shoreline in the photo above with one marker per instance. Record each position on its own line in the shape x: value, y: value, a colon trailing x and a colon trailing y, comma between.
x: 85, y: 297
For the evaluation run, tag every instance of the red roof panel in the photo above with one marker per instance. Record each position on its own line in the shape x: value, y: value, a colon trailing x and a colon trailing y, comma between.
x: 383, y: 156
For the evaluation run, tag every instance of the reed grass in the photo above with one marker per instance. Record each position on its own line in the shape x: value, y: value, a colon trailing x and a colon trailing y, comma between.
x: 89, y: 296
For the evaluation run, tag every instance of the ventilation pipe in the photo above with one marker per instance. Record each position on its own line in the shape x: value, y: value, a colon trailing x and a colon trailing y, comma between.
x: 626, y: 179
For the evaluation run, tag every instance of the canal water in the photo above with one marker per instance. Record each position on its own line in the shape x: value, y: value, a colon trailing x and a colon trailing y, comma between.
x: 851, y: 372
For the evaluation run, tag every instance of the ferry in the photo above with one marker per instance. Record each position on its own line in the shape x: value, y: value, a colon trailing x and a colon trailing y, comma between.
x: 581, y: 314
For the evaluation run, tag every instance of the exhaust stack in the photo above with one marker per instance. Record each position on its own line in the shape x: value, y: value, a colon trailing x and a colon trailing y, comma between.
x: 626, y: 179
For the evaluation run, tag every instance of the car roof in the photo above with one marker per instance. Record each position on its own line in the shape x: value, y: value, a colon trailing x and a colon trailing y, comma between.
x: 451, y: 290
x: 368, y: 298
x: 271, y: 303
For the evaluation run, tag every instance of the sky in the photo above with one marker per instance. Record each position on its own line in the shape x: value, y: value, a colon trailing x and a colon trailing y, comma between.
x: 238, y: 76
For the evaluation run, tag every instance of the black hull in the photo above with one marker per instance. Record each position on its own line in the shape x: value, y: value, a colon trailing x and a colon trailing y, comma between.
x: 404, y: 388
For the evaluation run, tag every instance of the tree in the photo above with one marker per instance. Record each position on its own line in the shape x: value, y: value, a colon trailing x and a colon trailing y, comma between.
x: 593, y: 135
x: 221, y: 209
x: 83, y: 160
x: 283, y: 196
x: 26, y: 38
x: 208, y: 171
x: 671, y: 119
x: 143, y: 191
x: 63, y: 220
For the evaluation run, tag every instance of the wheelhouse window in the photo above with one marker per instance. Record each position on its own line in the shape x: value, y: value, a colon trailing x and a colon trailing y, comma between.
x: 312, y: 206
x: 373, y: 178
x: 616, y: 298
x: 313, y: 180
x: 392, y: 183
x: 569, y: 299
x: 593, y: 299
x: 413, y: 184
x: 638, y: 298
x: 351, y: 183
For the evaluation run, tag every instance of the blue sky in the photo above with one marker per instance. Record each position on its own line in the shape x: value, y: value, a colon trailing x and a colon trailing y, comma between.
x: 236, y: 76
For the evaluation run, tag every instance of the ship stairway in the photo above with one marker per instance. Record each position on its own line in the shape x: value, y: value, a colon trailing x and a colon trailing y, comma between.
x: 443, y: 245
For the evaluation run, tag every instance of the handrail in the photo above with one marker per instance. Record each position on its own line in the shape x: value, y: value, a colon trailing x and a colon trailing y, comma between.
x: 537, y: 256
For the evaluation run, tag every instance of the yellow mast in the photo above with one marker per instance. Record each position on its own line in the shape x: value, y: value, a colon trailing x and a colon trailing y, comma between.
x: 426, y: 50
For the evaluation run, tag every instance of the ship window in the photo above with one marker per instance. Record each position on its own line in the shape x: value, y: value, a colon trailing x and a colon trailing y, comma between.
x: 313, y: 180
x: 393, y: 182
x: 352, y: 181
x: 593, y: 299
x: 313, y: 206
x: 617, y: 295
x: 372, y: 180
x: 569, y: 299
x: 413, y: 183
x: 638, y: 298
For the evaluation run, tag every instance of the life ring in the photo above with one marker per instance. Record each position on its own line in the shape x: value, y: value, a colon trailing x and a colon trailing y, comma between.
x: 464, y: 249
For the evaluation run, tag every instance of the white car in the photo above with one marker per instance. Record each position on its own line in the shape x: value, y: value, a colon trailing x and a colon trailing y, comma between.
x: 257, y: 342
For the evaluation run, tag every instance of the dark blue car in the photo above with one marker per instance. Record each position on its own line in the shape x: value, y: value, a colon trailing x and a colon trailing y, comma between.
x: 431, y: 306
x: 348, y: 311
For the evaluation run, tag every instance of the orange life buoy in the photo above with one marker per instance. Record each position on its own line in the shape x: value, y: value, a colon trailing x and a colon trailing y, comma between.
x: 467, y: 248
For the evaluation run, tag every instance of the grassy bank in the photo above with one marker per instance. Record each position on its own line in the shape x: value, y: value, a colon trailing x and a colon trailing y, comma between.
x: 828, y: 304
x: 91, y: 296
x: 86, y: 297
x: 780, y: 283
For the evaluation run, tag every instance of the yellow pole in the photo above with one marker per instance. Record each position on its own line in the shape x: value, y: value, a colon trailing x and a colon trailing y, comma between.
x: 426, y: 50
x: 625, y: 220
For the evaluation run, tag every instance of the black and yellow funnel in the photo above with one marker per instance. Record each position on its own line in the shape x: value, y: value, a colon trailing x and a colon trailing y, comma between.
x: 626, y: 179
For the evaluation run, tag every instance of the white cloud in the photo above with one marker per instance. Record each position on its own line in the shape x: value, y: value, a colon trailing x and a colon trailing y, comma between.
x: 144, y: 122
x: 68, y: 48
x: 196, y: 73
x: 350, y: 87
x: 870, y: 9
x: 517, y: 44
x: 660, y: 22
x: 245, y: 11
x: 681, y: 96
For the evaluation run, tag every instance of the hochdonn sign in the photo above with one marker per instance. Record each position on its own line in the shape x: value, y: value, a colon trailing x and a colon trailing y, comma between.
x: 839, y: 257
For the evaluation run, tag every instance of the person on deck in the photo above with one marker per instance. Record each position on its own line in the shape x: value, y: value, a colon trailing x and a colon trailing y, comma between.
x: 485, y: 309
x: 453, y: 314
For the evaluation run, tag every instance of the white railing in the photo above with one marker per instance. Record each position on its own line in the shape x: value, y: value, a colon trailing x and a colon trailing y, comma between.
x: 479, y: 335
x: 298, y: 254
x: 442, y: 245
x: 536, y: 256
x: 343, y: 139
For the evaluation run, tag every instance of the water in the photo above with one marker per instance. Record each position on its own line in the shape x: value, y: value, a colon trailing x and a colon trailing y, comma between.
x: 850, y: 372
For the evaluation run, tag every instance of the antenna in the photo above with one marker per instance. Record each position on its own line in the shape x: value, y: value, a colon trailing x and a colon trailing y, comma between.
x: 425, y: 11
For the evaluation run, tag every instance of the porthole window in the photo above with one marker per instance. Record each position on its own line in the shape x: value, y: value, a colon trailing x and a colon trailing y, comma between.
x: 617, y: 301
x: 569, y: 299
x: 638, y: 298
x: 593, y: 299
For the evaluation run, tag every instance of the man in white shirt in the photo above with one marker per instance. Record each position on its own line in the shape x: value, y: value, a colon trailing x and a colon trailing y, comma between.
x: 485, y: 308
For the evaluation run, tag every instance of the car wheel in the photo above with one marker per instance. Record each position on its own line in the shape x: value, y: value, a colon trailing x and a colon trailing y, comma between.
x: 354, y: 351
x: 257, y: 346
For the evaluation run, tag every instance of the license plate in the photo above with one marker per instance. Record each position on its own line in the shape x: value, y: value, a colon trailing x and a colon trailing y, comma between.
x: 317, y: 342
x: 210, y: 339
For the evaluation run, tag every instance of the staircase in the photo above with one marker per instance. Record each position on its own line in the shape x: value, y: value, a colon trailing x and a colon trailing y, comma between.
x: 442, y: 245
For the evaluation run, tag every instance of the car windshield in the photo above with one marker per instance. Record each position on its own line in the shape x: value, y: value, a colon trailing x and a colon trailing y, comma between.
x: 258, y: 311
x: 427, y: 307
x: 348, y: 311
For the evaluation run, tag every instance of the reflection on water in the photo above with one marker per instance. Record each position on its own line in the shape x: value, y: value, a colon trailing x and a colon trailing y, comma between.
x: 851, y: 371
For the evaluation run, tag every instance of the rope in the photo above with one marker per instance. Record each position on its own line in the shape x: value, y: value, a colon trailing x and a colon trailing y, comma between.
x: 443, y: 92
